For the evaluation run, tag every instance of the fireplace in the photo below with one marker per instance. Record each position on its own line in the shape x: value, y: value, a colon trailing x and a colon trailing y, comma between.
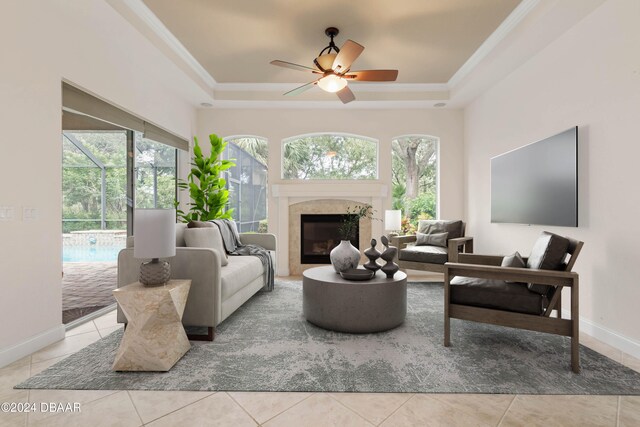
x: 319, y: 235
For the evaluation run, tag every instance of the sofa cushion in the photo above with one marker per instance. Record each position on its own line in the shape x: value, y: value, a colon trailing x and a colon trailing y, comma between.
x: 430, y: 254
x: 514, y: 260
x: 495, y: 294
x: 200, y: 224
x: 208, y: 237
x: 433, y: 239
x: 180, y: 227
x: 429, y: 226
x: 240, y: 271
x: 548, y: 253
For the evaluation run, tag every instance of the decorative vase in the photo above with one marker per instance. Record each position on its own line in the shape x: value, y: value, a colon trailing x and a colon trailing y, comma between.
x: 390, y: 252
x: 373, y: 254
x: 344, y: 256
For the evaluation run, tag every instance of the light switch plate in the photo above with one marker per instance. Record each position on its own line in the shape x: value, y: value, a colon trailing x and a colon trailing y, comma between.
x: 29, y: 214
x: 6, y: 213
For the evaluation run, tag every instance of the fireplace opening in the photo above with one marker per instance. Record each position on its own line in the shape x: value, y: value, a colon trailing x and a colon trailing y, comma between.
x: 319, y: 235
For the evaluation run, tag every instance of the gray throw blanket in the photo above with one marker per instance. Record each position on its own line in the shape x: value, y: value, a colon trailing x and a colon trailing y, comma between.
x: 233, y: 246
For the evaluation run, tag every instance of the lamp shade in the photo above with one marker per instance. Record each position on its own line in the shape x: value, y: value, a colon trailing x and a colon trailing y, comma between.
x: 392, y: 220
x: 155, y: 233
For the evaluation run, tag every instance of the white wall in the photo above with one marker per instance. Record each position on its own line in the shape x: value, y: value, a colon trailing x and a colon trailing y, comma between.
x: 590, y: 77
x: 89, y: 44
x: 383, y: 125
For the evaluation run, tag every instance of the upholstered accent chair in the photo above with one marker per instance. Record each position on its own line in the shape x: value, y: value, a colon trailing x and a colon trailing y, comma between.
x: 435, y: 243
x: 517, y: 292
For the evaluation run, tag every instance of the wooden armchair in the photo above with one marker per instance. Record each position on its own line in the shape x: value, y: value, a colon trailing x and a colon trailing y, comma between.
x: 428, y: 257
x: 479, y: 289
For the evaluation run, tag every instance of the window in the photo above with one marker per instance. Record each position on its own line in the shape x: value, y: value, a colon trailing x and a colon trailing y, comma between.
x: 94, y: 178
x: 247, y: 182
x: 155, y: 174
x: 330, y: 156
x: 415, y: 178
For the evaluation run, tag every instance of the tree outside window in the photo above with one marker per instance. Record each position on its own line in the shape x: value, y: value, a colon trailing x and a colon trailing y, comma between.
x: 330, y: 156
x: 415, y: 178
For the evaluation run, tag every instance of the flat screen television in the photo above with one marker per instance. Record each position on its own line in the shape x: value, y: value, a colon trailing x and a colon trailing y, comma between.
x: 537, y: 183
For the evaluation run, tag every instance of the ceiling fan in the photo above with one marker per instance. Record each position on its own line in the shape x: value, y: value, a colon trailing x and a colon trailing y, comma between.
x: 334, y: 65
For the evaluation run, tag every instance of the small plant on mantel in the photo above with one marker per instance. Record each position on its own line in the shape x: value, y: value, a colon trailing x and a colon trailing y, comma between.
x: 351, y: 222
x: 207, y: 189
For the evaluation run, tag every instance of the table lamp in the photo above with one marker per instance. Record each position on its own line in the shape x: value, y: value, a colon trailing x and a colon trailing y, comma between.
x: 155, y: 237
x: 393, y: 221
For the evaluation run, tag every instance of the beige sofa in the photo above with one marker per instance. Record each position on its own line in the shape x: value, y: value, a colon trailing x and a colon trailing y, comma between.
x: 216, y: 291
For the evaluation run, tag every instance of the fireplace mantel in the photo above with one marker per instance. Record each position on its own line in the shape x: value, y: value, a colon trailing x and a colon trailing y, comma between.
x: 287, y: 194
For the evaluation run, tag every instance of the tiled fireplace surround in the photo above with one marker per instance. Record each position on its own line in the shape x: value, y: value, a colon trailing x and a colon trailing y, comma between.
x: 293, y: 200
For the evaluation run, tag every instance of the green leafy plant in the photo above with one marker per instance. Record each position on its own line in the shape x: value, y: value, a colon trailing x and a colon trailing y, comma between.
x: 209, y: 196
x: 351, y: 222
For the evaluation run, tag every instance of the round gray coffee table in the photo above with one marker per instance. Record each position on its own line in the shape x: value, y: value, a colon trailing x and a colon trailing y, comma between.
x: 374, y: 305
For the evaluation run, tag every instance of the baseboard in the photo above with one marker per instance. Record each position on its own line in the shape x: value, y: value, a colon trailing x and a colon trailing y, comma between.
x: 607, y: 336
x: 31, y: 345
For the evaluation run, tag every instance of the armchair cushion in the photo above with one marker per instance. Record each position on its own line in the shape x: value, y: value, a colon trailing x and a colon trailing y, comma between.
x: 430, y: 226
x: 428, y: 254
x: 206, y: 237
x: 496, y: 294
x: 434, y: 239
x: 548, y: 253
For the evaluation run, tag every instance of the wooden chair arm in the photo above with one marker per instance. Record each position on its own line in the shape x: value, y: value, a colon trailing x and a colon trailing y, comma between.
x: 527, y: 275
x: 401, y: 241
x: 479, y: 259
x: 453, y: 247
x: 461, y: 240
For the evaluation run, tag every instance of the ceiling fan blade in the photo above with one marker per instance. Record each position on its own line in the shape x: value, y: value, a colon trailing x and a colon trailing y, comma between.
x: 349, y: 52
x: 301, y: 89
x: 293, y: 66
x: 345, y: 95
x: 373, y: 75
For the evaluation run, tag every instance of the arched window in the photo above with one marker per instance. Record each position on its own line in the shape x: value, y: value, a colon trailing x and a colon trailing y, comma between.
x: 330, y: 156
x: 247, y: 181
x: 415, y: 177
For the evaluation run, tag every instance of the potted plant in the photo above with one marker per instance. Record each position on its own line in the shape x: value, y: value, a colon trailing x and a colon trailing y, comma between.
x: 345, y: 255
x: 207, y: 189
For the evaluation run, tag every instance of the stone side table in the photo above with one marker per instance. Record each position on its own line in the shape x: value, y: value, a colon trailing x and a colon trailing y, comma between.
x: 154, y: 339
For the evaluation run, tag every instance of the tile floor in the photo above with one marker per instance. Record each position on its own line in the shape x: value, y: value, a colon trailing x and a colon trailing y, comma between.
x: 179, y: 408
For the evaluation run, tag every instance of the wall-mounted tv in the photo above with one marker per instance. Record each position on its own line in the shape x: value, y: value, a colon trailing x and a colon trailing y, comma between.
x: 537, y: 183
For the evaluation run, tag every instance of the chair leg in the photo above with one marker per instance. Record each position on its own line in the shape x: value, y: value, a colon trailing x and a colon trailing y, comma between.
x: 575, y: 328
x: 559, y: 305
x: 447, y: 320
x: 211, y: 332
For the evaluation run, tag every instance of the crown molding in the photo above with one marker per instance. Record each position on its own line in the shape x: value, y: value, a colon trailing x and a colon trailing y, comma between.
x: 155, y: 24
x: 514, y: 18
x: 145, y: 14
x: 358, y: 87
x: 355, y: 105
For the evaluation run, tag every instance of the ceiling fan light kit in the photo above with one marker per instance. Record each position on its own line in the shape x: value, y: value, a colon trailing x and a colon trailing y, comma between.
x: 335, y: 64
x: 332, y: 83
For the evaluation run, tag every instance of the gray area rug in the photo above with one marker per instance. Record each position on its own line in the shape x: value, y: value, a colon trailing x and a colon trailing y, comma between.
x: 266, y: 345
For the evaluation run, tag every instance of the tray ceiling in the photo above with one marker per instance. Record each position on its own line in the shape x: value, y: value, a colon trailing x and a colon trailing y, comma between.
x: 426, y: 40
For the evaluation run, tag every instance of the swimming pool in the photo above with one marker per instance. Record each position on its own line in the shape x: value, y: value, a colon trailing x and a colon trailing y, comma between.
x: 90, y: 253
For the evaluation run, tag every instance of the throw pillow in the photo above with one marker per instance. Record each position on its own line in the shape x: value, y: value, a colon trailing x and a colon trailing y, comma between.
x: 206, y: 237
x: 514, y: 260
x: 430, y: 226
x: 433, y: 239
